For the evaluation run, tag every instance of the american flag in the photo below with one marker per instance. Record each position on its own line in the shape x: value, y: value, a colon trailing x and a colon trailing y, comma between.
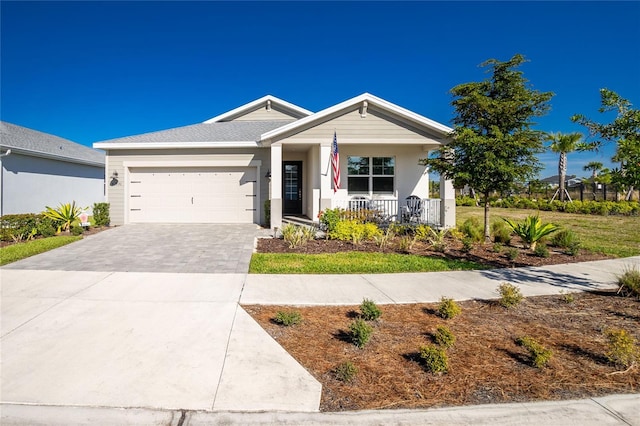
x: 335, y: 163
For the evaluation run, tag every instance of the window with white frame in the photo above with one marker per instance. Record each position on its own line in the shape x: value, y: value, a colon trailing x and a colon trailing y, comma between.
x: 370, y: 175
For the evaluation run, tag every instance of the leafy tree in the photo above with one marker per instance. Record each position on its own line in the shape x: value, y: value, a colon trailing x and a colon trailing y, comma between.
x: 624, y: 130
x: 493, y: 145
x: 564, y: 144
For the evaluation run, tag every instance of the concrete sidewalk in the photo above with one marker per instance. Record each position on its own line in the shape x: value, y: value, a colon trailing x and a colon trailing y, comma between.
x: 175, y: 348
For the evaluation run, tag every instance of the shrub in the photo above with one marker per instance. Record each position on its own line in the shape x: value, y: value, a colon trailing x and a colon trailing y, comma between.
x: 360, y: 332
x: 13, y: 225
x: 296, y: 236
x: 47, y: 231
x: 444, y: 337
x: 629, y: 282
x: 435, y: 359
x: 406, y: 243
x: 465, y: 201
x: 510, y: 295
x: 473, y: 229
x: 345, y: 371
x: 564, y: 238
x: 531, y: 230
x: 101, y: 214
x: 539, y: 355
x: 77, y: 230
x: 330, y: 218
x: 422, y: 232
x: 348, y: 230
x: 448, y: 308
x: 621, y: 347
x: 65, y: 214
x: 369, y: 310
x: 383, y: 239
x: 288, y: 318
x: 371, y: 231
x: 501, y: 232
x: 437, y: 240
x: 567, y: 297
x: 512, y: 253
x: 467, y: 244
x: 541, y: 251
x: 497, y: 247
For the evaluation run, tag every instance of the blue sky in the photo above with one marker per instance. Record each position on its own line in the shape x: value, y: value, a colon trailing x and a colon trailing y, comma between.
x: 90, y: 71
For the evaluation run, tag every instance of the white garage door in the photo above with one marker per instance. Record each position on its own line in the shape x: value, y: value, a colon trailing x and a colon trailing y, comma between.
x: 192, y: 195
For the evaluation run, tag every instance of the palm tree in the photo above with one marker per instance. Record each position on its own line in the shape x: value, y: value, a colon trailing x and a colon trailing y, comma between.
x: 564, y: 144
x: 595, y: 167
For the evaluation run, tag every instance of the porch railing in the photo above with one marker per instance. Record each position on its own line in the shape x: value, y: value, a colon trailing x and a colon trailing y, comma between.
x: 390, y: 210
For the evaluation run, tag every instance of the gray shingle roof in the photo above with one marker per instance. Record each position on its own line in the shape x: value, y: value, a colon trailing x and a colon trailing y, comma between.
x: 229, y: 131
x: 27, y: 140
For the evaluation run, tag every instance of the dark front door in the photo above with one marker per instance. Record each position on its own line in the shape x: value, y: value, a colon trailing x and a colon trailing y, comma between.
x: 292, y: 187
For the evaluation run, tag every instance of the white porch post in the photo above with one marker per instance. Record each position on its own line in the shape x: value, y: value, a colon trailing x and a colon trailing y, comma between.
x: 447, y: 203
x: 326, y: 192
x: 276, y: 186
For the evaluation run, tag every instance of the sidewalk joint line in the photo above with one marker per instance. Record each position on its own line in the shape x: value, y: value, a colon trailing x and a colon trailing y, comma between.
x: 613, y: 413
x: 226, y: 350
x: 364, y: 277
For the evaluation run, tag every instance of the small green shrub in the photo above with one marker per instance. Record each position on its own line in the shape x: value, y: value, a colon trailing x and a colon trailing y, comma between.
x: 510, y: 295
x: 466, y: 201
x: 497, y: 247
x: 467, y: 244
x: 422, y: 232
x: 629, y: 282
x: 296, y: 236
x: 77, y: 230
x: 501, y: 232
x: 531, y: 230
x: 564, y: 238
x: 448, y: 308
x: 288, y: 318
x: 437, y: 239
x: 567, y: 298
x: 406, y: 243
x: 346, y: 372
x: 348, y: 230
x: 444, y: 337
x: 382, y: 240
x: 473, y: 229
x: 435, y: 359
x: 65, y: 214
x: 360, y: 332
x: 541, y: 251
x: 539, y: 355
x: 621, y: 347
x: 330, y: 218
x: 512, y: 253
x: 101, y: 214
x: 369, y: 310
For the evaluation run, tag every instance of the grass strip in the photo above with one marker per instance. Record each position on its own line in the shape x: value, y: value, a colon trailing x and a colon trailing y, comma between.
x: 20, y: 251
x: 353, y: 263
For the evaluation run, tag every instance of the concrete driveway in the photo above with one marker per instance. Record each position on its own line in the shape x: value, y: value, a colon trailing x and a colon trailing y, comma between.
x: 182, y: 248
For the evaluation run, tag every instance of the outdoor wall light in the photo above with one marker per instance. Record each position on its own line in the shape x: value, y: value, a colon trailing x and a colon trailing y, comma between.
x: 114, y: 178
x: 268, y: 175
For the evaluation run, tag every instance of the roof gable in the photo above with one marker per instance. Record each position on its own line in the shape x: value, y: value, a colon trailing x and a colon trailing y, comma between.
x: 32, y: 142
x: 272, y: 107
x: 363, y: 102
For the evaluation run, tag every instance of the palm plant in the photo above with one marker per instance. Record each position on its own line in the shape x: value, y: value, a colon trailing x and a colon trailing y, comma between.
x: 532, y: 230
x: 564, y: 144
x: 64, y: 215
x: 594, y: 167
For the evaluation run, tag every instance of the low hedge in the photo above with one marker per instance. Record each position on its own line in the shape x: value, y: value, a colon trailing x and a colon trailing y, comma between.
x: 603, y: 208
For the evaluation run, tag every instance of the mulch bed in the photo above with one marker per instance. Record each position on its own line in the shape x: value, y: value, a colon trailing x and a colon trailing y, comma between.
x: 486, y: 365
x: 91, y: 231
x: 481, y: 253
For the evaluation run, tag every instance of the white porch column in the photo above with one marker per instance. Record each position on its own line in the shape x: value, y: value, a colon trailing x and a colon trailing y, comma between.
x: 276, y: 186
x: 447, y: 203
x: 326, y: 192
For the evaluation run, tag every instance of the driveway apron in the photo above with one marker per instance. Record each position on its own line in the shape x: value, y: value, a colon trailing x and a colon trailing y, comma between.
x: 182, y: 248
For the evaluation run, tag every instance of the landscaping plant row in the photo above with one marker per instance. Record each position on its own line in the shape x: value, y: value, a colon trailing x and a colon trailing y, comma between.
x: 602, y: 208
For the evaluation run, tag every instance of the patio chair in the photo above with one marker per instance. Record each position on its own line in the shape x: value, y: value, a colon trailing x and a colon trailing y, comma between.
x: 412, y: 212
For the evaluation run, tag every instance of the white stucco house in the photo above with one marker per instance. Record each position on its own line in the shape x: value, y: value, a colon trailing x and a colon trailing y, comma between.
x: 39, y: 169
x: 223, y: 169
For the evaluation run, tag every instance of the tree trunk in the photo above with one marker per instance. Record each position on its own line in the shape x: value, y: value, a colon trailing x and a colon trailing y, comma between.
x: 487, y: 233
x: 562, y: 172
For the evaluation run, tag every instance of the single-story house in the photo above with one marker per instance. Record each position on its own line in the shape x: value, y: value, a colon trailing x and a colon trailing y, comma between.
x: 224, y: 169
x: 39, y: 169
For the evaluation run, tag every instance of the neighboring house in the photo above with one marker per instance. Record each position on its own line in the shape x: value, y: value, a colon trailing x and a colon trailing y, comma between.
x: 552, y: 181
x: 224, y: 169
x: 38, y: 169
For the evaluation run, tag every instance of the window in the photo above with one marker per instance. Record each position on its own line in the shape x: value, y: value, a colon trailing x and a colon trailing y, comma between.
x: 370, y: 175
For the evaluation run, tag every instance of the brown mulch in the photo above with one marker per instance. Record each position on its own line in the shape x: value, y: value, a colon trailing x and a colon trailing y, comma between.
x: 486, y: 365
x: 481, y: 253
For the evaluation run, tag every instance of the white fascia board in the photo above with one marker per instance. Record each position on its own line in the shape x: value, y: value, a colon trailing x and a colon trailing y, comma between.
x: 165, y: 145
x: 372, y: 100
x: 48, y: 156
x: 258, y: 102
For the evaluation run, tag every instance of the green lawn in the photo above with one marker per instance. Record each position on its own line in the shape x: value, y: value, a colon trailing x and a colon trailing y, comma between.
x: 20, y: 251
x: 613, y: 235
x: 352, y: 263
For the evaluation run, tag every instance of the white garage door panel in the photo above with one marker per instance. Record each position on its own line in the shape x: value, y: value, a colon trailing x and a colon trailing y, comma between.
x: 192, y: 195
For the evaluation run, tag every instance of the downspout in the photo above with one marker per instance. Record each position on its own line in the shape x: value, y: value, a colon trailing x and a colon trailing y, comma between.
x: 7, y: 153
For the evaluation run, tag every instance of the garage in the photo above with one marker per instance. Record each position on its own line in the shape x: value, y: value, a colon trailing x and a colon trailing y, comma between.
x: 192, y: 194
